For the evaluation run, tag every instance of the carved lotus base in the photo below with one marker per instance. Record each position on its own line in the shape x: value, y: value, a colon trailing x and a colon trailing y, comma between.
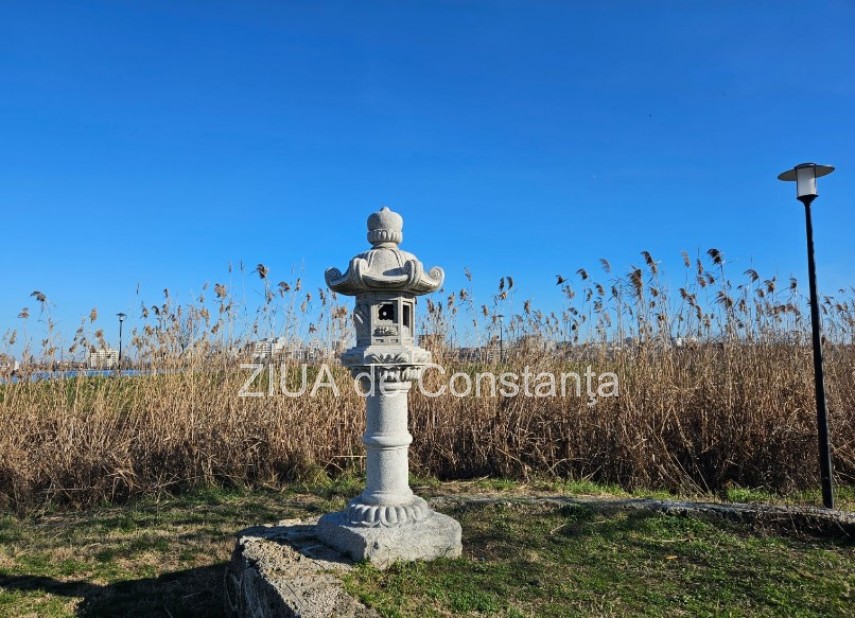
x: 358, y: 513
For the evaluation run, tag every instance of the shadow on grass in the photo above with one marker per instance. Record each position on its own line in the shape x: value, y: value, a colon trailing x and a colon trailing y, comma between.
x: 191, y: 592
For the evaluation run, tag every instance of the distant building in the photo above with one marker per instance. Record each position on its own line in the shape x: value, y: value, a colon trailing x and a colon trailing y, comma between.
x: 685, y: 342
x: 268, y: 348
x: 103, y: 359
x: 278, y: 349
x: 8, y: 364
x: 534, y: 343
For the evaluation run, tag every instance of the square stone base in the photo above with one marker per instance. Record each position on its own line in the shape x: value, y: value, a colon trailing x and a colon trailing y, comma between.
x: 439, y: 536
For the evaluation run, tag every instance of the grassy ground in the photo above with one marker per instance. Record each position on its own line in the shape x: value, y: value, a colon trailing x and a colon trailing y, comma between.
x: 547, y: 561
x: 148, y: 559
x: 844, y: 497
x: 167, y: 558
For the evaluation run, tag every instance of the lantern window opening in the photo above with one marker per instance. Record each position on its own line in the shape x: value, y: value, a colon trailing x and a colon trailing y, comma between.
x: 386, y: 312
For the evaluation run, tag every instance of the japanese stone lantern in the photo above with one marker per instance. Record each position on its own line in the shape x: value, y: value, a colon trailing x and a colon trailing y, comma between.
x: 387, y: 522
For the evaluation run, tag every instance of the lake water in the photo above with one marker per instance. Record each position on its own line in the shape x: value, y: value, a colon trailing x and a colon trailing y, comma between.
x: 89, y: 373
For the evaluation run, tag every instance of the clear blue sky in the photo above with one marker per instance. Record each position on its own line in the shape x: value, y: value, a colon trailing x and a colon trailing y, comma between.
x: 153, y: 143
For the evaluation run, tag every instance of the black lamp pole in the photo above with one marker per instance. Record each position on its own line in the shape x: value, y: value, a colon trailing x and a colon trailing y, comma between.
x: 121, y: 317
x: 805, y: 175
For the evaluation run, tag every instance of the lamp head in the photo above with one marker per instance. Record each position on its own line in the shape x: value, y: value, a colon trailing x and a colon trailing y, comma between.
x: 805, y: 175
x: 121, y: 316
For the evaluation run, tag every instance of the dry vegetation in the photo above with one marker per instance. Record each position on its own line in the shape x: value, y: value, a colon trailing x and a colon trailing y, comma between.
x: 734, y: 405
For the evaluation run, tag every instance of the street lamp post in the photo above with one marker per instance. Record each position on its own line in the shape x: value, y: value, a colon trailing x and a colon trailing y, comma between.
x: 501, y: 338
x: 805, y: 175
x: 121, y: 317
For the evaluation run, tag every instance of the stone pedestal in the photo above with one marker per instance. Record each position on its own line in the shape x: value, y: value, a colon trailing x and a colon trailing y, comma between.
x: 436, y: 536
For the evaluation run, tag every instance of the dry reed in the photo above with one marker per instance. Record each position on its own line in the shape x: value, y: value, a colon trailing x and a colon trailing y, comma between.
x: 731, y: 404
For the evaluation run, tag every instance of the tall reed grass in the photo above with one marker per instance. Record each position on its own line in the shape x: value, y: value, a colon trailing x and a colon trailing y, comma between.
x: 715, y: 379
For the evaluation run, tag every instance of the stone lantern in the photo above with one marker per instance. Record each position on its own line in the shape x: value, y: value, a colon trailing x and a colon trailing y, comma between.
x: 387, y: 522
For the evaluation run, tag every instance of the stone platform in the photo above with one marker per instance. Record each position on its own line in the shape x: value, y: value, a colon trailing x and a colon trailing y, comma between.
x: 284, y: 571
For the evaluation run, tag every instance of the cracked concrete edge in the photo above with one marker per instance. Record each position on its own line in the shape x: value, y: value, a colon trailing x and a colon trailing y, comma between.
x: 785, y: 519
x: 283, y: 570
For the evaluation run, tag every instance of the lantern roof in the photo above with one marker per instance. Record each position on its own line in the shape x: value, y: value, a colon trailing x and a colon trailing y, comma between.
x: 385, y: 267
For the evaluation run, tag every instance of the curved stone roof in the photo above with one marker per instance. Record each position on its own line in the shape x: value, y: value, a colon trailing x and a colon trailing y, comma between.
x: 385, y: 267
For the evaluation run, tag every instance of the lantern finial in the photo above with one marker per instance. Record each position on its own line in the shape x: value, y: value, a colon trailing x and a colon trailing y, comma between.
x: 385, y: 228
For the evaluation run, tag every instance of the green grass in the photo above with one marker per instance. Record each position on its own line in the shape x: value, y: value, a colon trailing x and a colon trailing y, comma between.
x: 145, y: 559
x: 575, y: 561
x: 162, y: 558
x: 844, y: 495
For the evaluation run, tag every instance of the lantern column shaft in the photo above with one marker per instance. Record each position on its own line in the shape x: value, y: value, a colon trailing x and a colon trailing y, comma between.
x: 387, y: 442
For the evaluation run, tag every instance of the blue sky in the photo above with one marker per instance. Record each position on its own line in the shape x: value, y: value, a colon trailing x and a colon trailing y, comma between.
x: 152, y: 143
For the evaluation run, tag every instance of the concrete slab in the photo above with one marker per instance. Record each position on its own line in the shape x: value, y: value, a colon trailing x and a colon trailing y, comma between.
x: 284, y: 571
